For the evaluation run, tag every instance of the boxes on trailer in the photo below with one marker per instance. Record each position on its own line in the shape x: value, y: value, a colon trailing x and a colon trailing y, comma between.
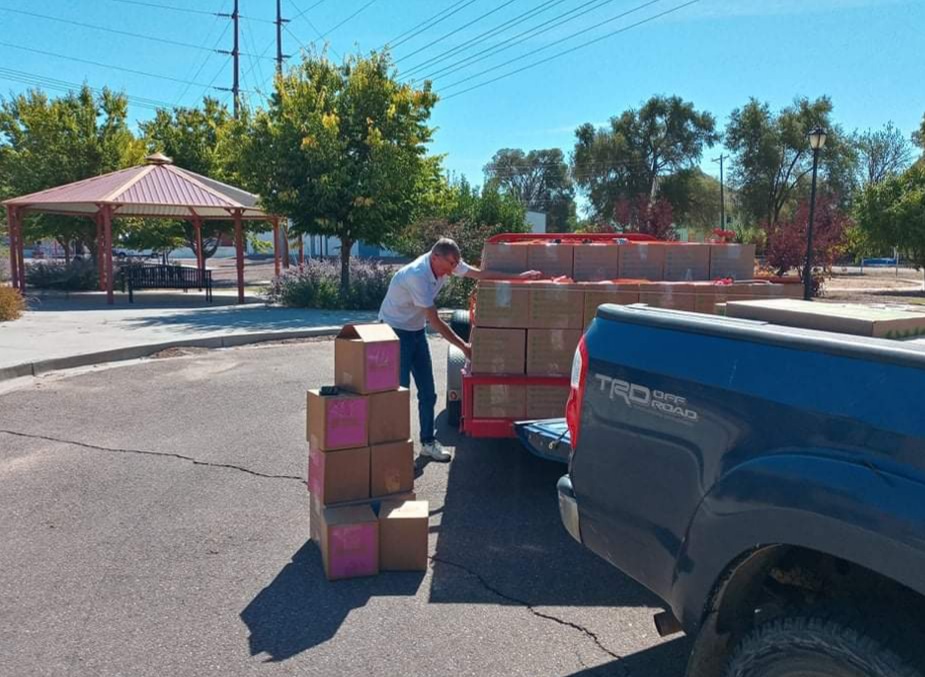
x: 555, y: 305
x: 596, y: 261
x: 504, y: 257
x: 687, y: 261
x: 501, y: 303
x: 732, y: 260
x: 499, y: 401
x: 552, y: 259
x: 642, y: 261
x: 673, y: 295
x: 498, y: 351
x: 546, y: 401
x: 366, y: 358
x: 550, y: 351
x: 619, y: 292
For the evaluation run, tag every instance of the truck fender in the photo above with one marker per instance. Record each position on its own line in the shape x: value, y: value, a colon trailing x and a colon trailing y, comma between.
x: 842, y: 507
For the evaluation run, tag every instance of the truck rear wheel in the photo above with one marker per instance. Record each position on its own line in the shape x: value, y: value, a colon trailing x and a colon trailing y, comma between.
x: 821, y: 645
x: 459, y: 323
x: 455, y: 361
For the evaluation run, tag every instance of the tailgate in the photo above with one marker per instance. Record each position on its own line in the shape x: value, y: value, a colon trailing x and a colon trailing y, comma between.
x: 547, y: 438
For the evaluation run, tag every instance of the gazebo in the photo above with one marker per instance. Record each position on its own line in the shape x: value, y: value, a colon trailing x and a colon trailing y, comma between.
x: 156, y: 189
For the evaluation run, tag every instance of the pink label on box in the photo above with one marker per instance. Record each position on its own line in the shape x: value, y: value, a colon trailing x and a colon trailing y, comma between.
x: 382, y: 366
x: 316, y: 473
x: 346, y: 425
x: 353, y: 550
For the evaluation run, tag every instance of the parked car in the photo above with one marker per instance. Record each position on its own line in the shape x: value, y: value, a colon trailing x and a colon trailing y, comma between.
x: 768, y: 483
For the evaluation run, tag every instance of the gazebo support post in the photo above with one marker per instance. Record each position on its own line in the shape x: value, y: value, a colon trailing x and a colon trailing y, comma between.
x: 14, y: 251
x: 286, y: 245
x: 21, y: 252
x: 100, y: 245
x: 200, y: 254
x: 275, y: 222
x: 107, y: 237
x: 239, y: 252
x: 301, y: 250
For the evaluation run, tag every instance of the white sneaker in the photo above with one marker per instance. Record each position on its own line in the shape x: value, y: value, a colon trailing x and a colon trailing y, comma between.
x: 435, y: 451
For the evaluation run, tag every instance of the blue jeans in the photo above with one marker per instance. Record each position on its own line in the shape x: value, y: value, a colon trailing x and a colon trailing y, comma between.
x: 415, y: 359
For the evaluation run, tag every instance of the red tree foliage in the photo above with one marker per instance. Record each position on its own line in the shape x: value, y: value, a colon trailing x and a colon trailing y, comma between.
x: 643, y: 215
x: 786, y: 239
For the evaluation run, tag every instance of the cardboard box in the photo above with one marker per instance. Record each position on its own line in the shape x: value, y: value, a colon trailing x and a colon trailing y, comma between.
x: 550, y: 351
x: 504, y: 257
x: 389, y: 416
x: 732, y: 260
x: 500, y: 303
x: 642, y: 261
x: 499, y: 401
x: 555, y: 305
x: 673, y: 295
x: 349, y: 540
x: 621, y: 293
x: 335, y: 476
x: 546, y: 401
x: 594, y: 262
x: 687, y: 261
x: 403, y: 531
x: 391, y: 468
x: 498, y: 351
x: 551, y: 259
x: 844, y: 318
x: 337, y: 422
x: 366, y: 358
x: 314, y: 519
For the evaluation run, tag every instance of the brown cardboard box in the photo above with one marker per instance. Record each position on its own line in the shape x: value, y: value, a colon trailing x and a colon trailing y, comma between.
x: 550, y: 351
x: 844, y: 318
x: 673, y: 295
x: 546, y: 401
x: 504, y: 257
x: 594, y: 262
x: 621, y: 293
x: 500, y: 303
x: 499, y: 401
x: 314, y: 519
x: 732, y: 260
x: 555, y: 305
x: 337, y: 422
x: 687, y: 262
x: 366, y: 358
x: 553, y: 260
x: 349, y: 542
x: 391, y: 468
x: 642, y: 261
x: 498, y: 351
x: 403, y: 531
x: 335, y: 476
x: 389, y: 416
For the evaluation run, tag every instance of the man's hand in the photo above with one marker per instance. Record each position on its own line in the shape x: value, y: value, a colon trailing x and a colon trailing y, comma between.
x: 531, y: 275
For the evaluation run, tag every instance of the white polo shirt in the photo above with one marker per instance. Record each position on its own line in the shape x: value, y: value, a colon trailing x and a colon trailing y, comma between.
x: 411, y: 292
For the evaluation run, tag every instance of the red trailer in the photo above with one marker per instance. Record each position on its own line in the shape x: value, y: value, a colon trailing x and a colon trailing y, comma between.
x: 461, y: 382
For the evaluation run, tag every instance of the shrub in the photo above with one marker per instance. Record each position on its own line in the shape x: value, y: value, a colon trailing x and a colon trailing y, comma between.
x: 455, y: 293
x: 316, y: 284
x: 11, y: 304
x: 78, y: 275
x: 5, y: 273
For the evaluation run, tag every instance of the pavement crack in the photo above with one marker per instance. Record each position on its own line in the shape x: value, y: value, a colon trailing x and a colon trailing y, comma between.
x: 590, y: 634
x: 144, y: 452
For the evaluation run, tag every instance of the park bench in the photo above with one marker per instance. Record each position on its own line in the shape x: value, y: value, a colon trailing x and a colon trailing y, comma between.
x: 160, y: 276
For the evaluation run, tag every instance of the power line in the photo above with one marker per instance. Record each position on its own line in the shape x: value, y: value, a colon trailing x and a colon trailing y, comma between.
x: 418, y: 25
x: 459, y: 6
x: 207, y: 57
x: 303, y: 12
x: 98, y: 63
x: 167, y: 7
x: 520, y: 38
x: 356, y: 13
x: 457, y: 30
x: 313, y: 27
x: 572, y: 49
x: 64, y: 85
x: 520, y: 18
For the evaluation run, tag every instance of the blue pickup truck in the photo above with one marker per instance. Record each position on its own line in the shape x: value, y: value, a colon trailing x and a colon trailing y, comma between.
x: 766, y: 482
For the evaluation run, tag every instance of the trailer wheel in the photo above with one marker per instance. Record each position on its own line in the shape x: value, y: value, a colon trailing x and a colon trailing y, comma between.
x: 459, y: 323
x: 455, y: 361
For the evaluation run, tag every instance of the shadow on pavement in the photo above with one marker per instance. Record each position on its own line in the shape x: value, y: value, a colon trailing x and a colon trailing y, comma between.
x: 252, y: 319
x: 665, y: 660
x: 500, y: 523
x: 300, y: 609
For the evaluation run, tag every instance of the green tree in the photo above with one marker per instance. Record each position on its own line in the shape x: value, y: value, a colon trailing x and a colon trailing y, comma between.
x: 341, y: 150
x: 772, y: 160
x: 695, y: 197
x: 540, y: 181
x: 918, y: 137
x: 892, y: 214
x: 49, y: 142
x: 665, y: 136
x: 881, y: 154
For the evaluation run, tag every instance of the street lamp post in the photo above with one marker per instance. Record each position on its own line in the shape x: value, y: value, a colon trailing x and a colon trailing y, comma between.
x: 816, y: 142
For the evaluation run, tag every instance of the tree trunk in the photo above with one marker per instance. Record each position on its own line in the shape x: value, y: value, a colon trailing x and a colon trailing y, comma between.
x: 345, y: 245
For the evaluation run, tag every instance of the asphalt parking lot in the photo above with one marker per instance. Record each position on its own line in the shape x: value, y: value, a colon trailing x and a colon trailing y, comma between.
x: 155, y: 522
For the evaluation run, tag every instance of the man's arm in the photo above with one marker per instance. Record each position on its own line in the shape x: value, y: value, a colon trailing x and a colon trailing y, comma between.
x: 477, y: 274
x: 444, y: 330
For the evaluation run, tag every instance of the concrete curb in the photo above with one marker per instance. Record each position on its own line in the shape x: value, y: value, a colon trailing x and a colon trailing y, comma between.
x: 144, y: 350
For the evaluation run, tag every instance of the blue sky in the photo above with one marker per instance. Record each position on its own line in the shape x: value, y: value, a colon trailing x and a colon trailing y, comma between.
x: 867, y: 55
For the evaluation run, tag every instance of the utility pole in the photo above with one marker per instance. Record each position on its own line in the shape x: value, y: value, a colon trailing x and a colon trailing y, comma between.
x: 722, y: 193
x: 279, y: 37
x: 235, y: 89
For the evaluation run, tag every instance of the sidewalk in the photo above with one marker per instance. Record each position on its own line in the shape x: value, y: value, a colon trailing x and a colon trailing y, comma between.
x: 60, y: 332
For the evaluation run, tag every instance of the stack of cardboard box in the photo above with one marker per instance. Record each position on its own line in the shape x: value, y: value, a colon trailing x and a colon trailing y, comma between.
x: 361, y: 462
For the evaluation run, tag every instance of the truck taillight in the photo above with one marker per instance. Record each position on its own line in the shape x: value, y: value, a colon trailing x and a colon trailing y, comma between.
x: 576, y: 392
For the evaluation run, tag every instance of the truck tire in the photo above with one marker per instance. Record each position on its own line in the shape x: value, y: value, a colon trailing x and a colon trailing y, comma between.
x: 455, y: 361
x: 459, y: 323
x: 822, y: 645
